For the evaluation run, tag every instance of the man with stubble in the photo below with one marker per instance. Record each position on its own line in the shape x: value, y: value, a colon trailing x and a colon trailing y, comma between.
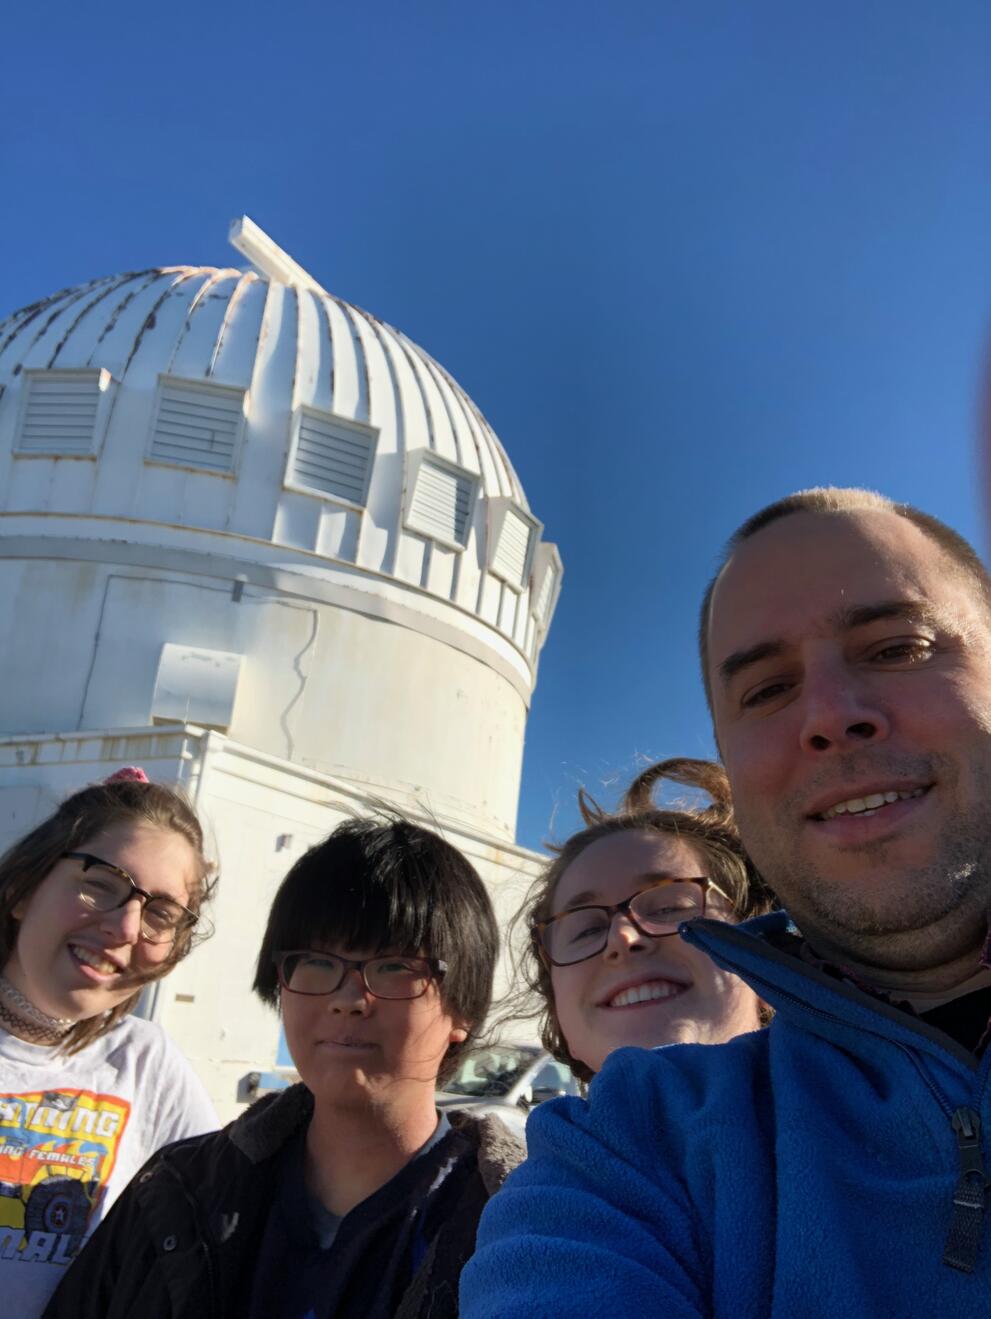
x: 834, y: 1163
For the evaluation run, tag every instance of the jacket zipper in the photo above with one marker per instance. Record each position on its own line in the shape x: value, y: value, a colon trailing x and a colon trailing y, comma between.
x: 963, y: 1241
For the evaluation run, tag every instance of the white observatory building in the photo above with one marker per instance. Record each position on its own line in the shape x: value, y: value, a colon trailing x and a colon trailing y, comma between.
x: 258, y: 542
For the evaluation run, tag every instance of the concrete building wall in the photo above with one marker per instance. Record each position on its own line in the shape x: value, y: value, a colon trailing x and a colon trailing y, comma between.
x: 330, y: 688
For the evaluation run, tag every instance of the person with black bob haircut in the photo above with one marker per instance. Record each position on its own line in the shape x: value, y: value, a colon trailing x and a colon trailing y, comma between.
x: 347, y: 1194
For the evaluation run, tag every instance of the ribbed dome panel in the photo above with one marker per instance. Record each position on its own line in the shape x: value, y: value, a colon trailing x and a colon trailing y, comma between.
x: 283, y: 349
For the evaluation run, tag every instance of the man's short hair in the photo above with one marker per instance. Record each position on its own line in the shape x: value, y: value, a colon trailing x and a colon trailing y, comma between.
x: 840, y: 499
x: 388, y: 885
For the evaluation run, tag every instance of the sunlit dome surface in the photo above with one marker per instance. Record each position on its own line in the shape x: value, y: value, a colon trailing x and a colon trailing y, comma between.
x: 252, y: 405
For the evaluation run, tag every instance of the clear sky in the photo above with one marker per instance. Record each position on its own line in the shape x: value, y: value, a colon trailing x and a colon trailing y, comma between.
x: 686, y: 257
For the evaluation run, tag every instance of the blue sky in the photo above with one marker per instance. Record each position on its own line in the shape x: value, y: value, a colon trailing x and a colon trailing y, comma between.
x: 686, y: 258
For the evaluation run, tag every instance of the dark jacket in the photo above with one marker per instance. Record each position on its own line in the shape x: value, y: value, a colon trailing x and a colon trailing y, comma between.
x: 183, y: 1239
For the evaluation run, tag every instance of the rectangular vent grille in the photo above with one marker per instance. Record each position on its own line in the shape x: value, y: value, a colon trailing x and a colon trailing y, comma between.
x: 332, y: 459
x: 441, y: 503
x: 545, y: 594
x: 198, y: 426
x: 60, y: 413
x: 510, y: 558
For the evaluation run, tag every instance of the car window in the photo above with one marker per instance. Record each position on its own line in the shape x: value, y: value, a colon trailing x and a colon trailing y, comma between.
x: 490, y: 1072
x: 555, y: 1076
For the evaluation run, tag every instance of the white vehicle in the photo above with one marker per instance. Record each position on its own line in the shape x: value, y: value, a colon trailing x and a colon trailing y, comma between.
x: 507, y: 1080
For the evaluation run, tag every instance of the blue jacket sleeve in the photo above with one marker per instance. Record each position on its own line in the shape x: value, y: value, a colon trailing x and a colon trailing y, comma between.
x: 592, y: 1222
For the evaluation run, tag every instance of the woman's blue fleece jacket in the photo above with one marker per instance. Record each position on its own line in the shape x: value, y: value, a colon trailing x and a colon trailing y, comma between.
x: 806, y: 1170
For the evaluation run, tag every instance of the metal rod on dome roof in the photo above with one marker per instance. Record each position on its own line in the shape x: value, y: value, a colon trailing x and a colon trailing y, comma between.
x: 267, y: 256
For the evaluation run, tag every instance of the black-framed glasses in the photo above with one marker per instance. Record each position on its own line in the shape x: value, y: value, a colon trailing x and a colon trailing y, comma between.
x: 582, y: 932
x: 105, y: 887
x: 304, y: 971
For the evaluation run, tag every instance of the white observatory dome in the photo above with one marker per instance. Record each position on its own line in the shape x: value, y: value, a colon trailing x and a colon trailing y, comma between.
x: 233, y: 499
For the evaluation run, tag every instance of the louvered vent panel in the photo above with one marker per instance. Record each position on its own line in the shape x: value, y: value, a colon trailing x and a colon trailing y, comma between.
x: 441, y: 502
x: 60, y: 414
x: 198, y: 426
x: 332, y: 459
x: 545, y: 595
x: 510, y: 558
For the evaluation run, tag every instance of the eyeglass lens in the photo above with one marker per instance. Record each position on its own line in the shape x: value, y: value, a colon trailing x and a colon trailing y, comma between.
x: 585, y: 931
x: 102, y: 890
x: 385, y: 977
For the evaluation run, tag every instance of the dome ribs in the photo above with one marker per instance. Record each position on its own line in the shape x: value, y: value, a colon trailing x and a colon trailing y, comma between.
x: 506, y: 478
x: 398, y: 429
x: 312, y: 386
x: 324, y: 306
x: 247, y: 278
x: 74, y: 324
x: 69, y: 301
x: 196, y: 340
x: 240, y: 334
x: 151, y: 318
x: 30, y: 313
x: 150, y: 277
x: 363, y: 405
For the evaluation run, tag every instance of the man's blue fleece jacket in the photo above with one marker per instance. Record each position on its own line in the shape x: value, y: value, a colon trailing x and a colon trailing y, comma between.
x: 806, y: 1170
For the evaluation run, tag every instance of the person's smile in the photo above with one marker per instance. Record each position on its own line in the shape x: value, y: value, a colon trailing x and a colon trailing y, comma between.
x: 868, y: 813
x: 645, y: 990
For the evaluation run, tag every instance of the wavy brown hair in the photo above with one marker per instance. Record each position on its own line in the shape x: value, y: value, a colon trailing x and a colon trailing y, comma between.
x: 709, y: 830
x: 26, y: 865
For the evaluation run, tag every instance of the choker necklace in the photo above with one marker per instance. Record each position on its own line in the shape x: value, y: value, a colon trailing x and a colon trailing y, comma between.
x: 20, y: 1017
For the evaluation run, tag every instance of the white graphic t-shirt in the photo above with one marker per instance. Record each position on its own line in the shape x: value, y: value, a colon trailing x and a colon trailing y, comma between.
x: 73, y: 1131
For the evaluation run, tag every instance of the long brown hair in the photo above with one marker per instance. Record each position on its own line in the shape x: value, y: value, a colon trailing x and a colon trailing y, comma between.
x: 25, y: 866
x: 709, y: 829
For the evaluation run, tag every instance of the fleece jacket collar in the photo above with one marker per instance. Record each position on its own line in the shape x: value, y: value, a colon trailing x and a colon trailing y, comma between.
x: 764, y: 953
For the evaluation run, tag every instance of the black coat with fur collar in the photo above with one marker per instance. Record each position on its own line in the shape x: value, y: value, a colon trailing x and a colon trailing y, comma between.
x: 182, y: 1240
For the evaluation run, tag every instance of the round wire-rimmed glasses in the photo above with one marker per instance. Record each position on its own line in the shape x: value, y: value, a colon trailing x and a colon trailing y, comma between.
x: 304, y: 971
x: 579, y: 933
x: 106, y: 887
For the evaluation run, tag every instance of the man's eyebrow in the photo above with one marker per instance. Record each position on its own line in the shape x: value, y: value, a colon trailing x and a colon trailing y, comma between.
x: 914, y: 611
x: 845, y: 620
x: 742, y: 659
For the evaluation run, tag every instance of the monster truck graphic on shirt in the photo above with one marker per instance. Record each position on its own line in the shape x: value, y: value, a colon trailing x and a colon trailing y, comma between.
x: 57, y: 1151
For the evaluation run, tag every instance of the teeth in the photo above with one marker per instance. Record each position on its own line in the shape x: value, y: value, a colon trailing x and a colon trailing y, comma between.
x: 644, y: 994
x: 94, y: 960
x: 868, y: 805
